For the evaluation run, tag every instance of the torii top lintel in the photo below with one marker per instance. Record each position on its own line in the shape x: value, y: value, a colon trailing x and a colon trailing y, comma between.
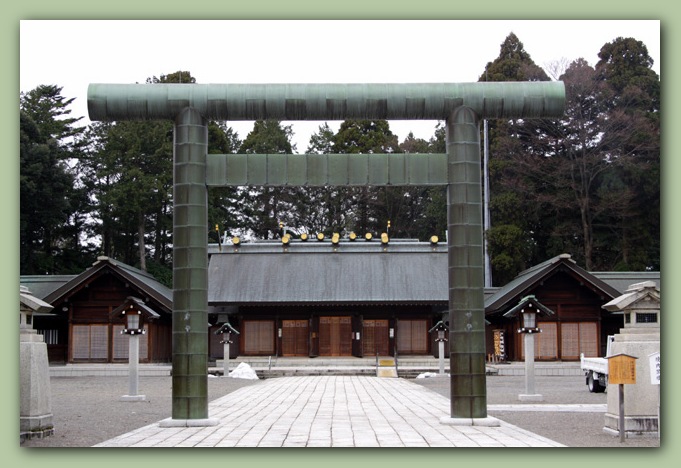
x: 393, y: 101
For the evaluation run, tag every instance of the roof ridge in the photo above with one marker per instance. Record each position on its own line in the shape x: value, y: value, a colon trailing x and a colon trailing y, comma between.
x: 125, y: 266
x: 545, y: 263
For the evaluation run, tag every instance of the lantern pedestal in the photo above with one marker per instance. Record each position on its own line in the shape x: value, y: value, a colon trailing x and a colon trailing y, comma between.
x: 135, y: 313
x: 226, y: 330
x: 225, y: 363
x: 133, y: 398
x: 530, y: 394
x: 533, y: 397
x: 134, y: 348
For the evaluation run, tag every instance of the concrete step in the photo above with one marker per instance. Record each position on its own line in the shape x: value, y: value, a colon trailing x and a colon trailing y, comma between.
x: 407, y: 367
x: 544, y: 369
x: 109, y: 370
x: 259, y: 362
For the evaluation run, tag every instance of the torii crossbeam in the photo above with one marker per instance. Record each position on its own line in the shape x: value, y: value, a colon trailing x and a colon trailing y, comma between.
x: 462, y: 106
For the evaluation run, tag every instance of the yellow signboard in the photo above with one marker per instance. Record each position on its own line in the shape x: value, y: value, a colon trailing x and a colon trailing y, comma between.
x: 621, y: 369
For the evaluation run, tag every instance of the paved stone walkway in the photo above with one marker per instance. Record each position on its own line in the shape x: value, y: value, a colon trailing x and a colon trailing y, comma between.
x: 585, y: 408
x: 348, y: 411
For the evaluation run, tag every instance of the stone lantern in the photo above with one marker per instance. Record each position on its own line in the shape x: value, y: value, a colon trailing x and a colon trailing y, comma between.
x: 136, y: 313
x: 640, y: 338
x: 35, y: 420
x: 529, y: 307
x: 226, y: 330
x: 442, y: 329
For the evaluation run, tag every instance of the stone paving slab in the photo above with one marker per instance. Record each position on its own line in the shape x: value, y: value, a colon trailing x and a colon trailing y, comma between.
x: 330, y: 411
x: 571, y: 408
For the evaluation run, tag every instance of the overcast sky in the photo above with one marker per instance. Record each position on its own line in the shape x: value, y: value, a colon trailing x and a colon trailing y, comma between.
x: 72, y: 54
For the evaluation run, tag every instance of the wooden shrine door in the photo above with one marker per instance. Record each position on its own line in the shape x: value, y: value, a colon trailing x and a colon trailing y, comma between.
x: 375, y: 338
x: 257, y: 338
x: 295, y: 338
x: 412, y: 336
x: 335, y: 336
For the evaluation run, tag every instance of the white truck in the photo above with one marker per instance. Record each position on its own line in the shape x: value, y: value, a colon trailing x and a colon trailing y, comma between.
x: 596, y: 370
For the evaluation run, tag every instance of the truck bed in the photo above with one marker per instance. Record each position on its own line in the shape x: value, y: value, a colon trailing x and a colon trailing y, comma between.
x: 596, y: 364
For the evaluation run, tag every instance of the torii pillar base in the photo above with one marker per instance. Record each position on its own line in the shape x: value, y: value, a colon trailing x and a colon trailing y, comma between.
x: 489, y: 421
x: 206, y: 422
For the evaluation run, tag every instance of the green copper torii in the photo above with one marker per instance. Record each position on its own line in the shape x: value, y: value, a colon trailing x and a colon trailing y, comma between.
x: 462, y: 106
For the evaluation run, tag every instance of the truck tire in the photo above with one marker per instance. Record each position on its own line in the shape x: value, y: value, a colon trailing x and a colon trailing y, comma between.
x: 593, y: 383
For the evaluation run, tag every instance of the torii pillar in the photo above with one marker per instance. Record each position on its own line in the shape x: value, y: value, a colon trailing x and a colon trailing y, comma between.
x: 462, y: 106
x: 466, y: 270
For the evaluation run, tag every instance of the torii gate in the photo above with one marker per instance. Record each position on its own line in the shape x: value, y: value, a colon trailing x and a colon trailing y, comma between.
x: 462, y: 106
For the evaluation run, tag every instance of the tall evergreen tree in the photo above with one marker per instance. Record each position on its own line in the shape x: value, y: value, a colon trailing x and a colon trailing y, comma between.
x: 50, y: 112
x: 322, y: 209
x: 602, y: 141
x: 261, y: 209
x: 133, y: 170
x: 424, y: 209
x: 626, y: 67
x: 372, y: 207
x: 222, y: 200
x: 576, y: 180
x: 518, y: 224
x: 51, y: 201
x: 436, y: 204
x: 128, y: 171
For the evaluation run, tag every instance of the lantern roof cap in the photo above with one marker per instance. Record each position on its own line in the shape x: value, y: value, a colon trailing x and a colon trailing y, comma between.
x: 135, y: 303
x: 529, y: 302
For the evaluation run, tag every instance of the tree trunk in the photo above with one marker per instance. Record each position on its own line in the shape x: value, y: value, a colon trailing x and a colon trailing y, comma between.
x: 140, y: 242
x: 587, y: 231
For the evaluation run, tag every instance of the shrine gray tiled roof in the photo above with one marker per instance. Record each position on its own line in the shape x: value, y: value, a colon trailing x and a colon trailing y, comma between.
x: 312, y: 272
x: 42, y: 285
x: 621, y: 280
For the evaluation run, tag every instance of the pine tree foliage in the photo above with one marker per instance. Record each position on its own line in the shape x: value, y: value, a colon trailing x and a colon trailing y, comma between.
x: 261, y: 209
x: 575, y: 184
x: 51, y: 202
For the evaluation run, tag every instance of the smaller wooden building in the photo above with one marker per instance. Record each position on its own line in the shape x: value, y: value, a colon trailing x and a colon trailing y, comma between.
x: 579, y: 324
x: 82, y: 328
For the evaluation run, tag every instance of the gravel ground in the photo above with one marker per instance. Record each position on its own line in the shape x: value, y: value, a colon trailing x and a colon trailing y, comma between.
x: 571, y: 429
x: 87, y: 410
